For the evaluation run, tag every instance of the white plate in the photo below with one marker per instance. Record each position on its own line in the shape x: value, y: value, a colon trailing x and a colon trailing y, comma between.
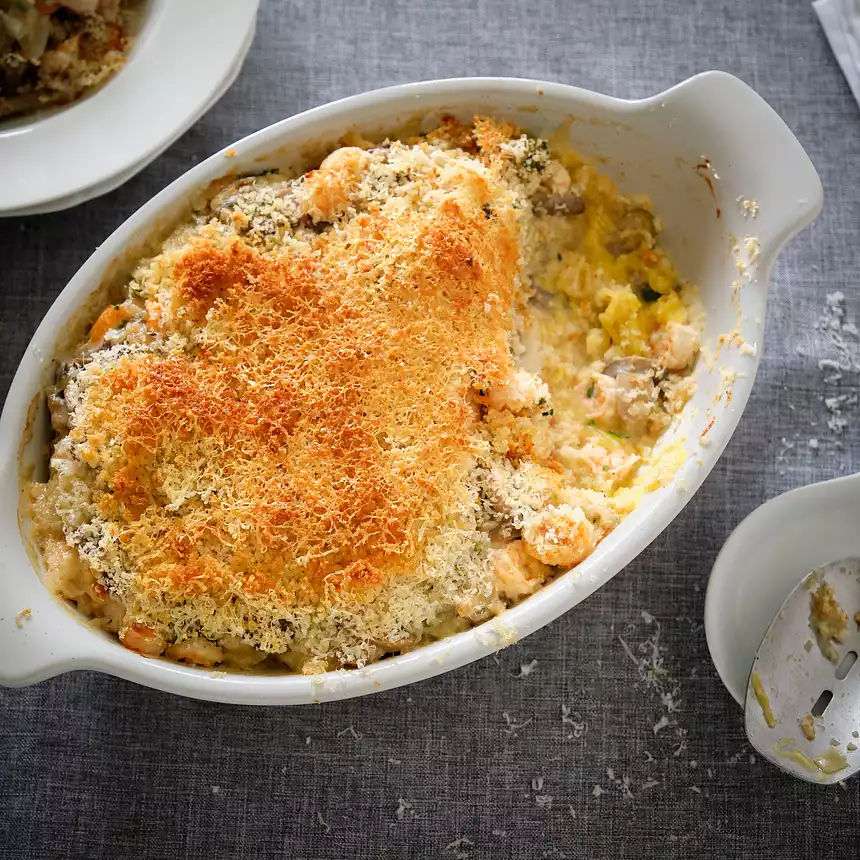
x: 184, y: 58
x: 651, y: 146
x: 764, y: 559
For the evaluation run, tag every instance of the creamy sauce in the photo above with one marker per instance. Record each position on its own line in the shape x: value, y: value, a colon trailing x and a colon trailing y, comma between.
x: 831, y: 761
x: 763, y: 700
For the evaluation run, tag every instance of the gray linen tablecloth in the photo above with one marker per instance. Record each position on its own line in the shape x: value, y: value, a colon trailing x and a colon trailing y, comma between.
x: 92, y: 767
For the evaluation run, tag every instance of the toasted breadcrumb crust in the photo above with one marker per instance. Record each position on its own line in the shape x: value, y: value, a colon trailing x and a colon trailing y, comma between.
x: 343, y: 414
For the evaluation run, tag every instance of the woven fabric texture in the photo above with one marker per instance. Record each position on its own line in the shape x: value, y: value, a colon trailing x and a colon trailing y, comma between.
x: 583, y: 756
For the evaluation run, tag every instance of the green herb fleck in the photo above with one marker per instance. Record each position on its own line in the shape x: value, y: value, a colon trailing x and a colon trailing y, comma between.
x: 542, y: 401
x: 548, y: 412
x: 618, y: 436
x: 487, y: 210
x: 606, y: 468
x: 559, y: 257
x: 590, y: 392
x: 537, y: 157
x: 649, y: 295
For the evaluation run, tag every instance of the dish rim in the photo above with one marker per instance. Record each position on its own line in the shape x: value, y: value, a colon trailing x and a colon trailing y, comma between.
x: 541, y: 608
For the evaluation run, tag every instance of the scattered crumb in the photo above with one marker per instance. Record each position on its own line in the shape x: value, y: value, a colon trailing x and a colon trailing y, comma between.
x: 735, y: 758
x: 512, y: 725
x: 405, y: 809
x: 544, y: 801
x: 573, y: 719
x: 460, y: 847
x: 597, y: 791
x: 696, y: 789
x: 230, y: 153
x: 749, y: 208
x: 654, y: 676
x: 394, y: 761
x: 571, y: 810
x: 349, y: 730
x: 807, y: 726
x: 25, y: 614
x: 753, y: 248
x: 527, y: 668
x: 661, y: 724
x: 216, y: 789
x: 502, y: 833
x: 838, y: 421
x: 323, y: 823
x: 828, y: 620
x: 650, y: 783
x: 308, y: 741
x: 814, y: 444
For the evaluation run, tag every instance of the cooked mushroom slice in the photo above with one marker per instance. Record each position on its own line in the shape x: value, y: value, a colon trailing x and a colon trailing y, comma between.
x: 228, y: 198
x: 568, y: 203
x: 631, y: 365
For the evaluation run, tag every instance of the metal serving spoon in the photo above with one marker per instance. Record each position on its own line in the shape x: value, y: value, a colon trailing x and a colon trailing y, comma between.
x: 802, y: 706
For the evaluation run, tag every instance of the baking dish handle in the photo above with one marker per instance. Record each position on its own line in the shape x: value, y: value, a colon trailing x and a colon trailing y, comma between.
x: 724, y: 116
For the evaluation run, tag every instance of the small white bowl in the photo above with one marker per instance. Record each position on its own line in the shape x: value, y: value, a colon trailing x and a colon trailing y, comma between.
x: 184, y: 58
x: 764, y: 559
x: 655, y: 146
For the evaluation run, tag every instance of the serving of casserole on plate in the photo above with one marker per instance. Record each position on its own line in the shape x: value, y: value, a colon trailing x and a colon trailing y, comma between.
x: 344, y: 393
x: 115, y: 81
x: 53, y: 53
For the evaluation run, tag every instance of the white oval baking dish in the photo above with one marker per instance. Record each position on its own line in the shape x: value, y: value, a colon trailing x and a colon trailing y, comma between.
x: 700, y: 149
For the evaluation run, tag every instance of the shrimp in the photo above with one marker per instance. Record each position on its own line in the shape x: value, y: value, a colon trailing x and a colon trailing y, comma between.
x: 522, y: 391
x: 516, y: 572
x: 676, y: 346
x: 559, y: 535
x: 328, y: 188
x: 240, y: 654
x: 142, y: 639
x: 603, y: 464
x: 626, y: 397
x: 111, y: 317
x: 197, y: 650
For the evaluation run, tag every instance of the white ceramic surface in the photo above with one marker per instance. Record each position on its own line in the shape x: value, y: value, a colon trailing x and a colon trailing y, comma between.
x: 66, y: 156
x: 651, y: 146
x: 764, y: 559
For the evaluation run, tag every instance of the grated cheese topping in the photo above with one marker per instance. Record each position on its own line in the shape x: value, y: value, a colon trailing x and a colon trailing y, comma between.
x: 340, y: 414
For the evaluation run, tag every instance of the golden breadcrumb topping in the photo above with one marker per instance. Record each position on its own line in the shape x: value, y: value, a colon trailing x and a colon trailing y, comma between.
x: 341, y: 414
